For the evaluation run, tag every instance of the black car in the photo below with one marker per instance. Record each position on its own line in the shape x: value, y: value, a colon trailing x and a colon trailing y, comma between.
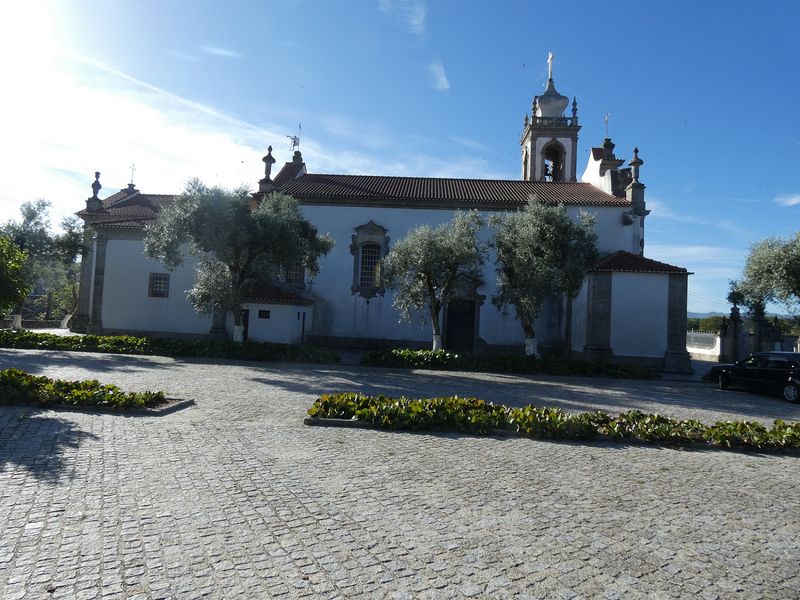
x: 771, y: 372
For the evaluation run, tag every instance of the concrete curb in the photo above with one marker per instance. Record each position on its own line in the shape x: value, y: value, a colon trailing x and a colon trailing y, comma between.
x: 158, y: 411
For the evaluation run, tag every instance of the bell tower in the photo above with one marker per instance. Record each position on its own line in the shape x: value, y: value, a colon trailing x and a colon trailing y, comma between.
x: 549, y: 139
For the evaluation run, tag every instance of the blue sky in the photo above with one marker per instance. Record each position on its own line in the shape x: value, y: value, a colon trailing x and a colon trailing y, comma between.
x: 707, y: 91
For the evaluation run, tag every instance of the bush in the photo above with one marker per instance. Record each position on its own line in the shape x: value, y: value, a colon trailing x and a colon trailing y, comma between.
x: 471, y: 415
x: 498, y: 363
x: 126, y: 344
x: 18, y: 387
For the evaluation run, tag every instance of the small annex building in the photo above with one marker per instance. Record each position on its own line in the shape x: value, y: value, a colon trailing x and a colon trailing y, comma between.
x: 631, y: 308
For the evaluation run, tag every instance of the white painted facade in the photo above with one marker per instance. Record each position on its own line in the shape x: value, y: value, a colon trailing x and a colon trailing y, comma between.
x: 279, y: 323
x: 126, y: 285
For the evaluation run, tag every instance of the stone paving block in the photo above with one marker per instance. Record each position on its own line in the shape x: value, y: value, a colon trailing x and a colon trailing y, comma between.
x: 235, y: 497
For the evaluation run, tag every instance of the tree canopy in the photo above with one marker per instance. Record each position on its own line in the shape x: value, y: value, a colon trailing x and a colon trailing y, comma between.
x: 432, y: 265
x: 13, y: 285
x: 772, y: 272
x: 239, y: 246
x: 50, y: 269
x: 540, y: 253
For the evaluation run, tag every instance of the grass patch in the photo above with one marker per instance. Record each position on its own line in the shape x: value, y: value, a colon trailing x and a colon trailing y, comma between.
x: 472, y: 415
x: 499, y: 363
x: 126, y: 344
x: 18, y: 387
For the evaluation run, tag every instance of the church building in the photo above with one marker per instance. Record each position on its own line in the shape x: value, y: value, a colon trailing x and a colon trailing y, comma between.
x: 631, y: 308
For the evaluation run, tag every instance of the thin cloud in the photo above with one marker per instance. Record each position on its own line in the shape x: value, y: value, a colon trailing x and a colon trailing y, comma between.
x: 410, y: 15
x: 183, y: 56
x: 222, y: 52
x: 438, y: 76
x: 663, y: 211
x: 469, y: 143
x: 788, y: 200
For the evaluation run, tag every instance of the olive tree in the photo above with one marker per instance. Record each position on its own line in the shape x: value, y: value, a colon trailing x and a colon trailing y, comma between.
x: 430, y: 266
x: 541, y: 252
x: 772, y: 272
x: 238, y: 246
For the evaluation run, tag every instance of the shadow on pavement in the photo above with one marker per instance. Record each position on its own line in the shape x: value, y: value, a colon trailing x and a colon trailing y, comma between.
x: 39, y: 443
x: 36, y: 361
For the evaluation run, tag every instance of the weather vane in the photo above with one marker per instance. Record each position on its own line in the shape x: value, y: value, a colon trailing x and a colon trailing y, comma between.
x: 295, y: 143
x: 133, y: 170
x: 605, y: 120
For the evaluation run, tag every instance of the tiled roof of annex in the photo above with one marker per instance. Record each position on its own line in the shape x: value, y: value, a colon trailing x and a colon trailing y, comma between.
x: 622, y: 261
x: 433, y: 192
x: 127, y: 209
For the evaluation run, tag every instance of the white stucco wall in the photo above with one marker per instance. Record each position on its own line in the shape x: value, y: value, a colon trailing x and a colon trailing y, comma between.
x: 283, y: 325
x: 639, y: 314
x: 340, y: 313
x: 592, y: 175
x: 126, y: 304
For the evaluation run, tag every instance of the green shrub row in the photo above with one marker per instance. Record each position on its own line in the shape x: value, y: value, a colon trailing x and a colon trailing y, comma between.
x: 498, y: 363
x: 126, y: 344
x: 18, y: 387
x: 471, y: 415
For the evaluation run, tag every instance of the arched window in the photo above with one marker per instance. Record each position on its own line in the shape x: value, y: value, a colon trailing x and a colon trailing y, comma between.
x: 369, y: 245
x: 554, y: 155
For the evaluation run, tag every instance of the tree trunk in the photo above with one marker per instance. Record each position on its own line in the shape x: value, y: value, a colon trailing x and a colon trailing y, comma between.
x: 531, y: 348
x: 437, y: 330
x: 568, y: 329
x: 48, y: 311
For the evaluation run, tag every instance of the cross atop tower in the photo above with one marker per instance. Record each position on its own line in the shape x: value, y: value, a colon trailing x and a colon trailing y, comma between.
x: 549, y: 65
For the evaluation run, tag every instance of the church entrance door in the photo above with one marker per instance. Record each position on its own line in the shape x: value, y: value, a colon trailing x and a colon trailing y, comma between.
x: 459, y: 332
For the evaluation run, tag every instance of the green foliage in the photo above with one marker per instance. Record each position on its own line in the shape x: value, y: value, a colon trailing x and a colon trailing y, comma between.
x: 541, y: 252
x: 240, y: 247
x: 711, y: 324
x: 13, y: 286
x: 471, y: 415
x: 18, y: 387
x: 430, y: 266
x: 498, y: 363
x: 50, y: 267
x: 772, y: 272
x: 126, y: 344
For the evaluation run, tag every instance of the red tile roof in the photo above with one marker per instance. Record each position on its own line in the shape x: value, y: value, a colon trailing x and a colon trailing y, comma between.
x: 633, y: 263
x: 267, y: 294
x: 434, y: 192
x: 289, y: 172
x: 127, y: 209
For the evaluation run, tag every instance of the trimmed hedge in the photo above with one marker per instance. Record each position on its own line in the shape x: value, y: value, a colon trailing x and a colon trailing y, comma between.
x: 498, y: 363
x: 18, y: 387
x: 126, y: 344
x: 471, y: 415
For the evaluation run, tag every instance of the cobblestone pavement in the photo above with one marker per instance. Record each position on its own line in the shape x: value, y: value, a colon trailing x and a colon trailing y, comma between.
x: 235, y: 498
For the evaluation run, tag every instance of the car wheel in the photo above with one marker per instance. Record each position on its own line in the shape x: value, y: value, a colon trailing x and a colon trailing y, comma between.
x: 791, y: 393
x: 722, y: 381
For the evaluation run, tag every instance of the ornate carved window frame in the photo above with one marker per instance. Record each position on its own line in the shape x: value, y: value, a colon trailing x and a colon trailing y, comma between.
x: 369, y: 233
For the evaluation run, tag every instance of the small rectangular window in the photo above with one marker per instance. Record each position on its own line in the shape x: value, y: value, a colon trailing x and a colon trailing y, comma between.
x: 159, y: 285
x: 263, y: 314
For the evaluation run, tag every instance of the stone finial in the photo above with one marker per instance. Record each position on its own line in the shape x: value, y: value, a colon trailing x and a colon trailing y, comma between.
x: 96, y: 187
x: 297, y: 158
x: 94, y: 203
x: 269, y: 160
x: 574, y: 107
x: 635, y: 164
x: 534, y: 105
